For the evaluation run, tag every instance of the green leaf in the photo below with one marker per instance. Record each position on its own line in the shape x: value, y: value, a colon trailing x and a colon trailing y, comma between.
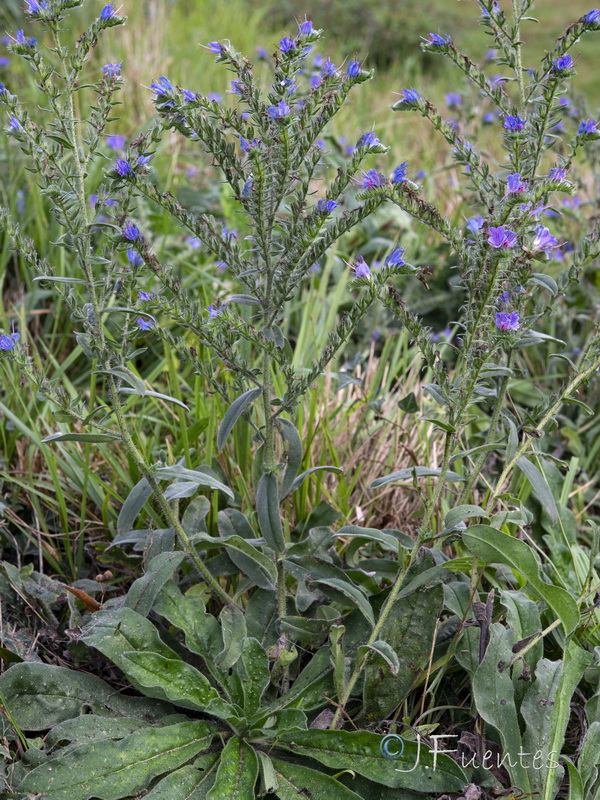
x: 187, y: 783
x: 92, y: 728
x: 494, y: 695
x: 295, y: 780
x: 143, y: 591
x: 493, y: 546
x: 297, y: 483
x: 360, y: 751
x: 575, y: 782
x: 293, y: 455
x: 587, y: 763
x: 124, y: 374
x: 111, y: 770
x: 94, y: 438
x: 386, y: 651
x: 249, y: 559
x: 460, y: 513
x: 545, y: 281
x: 411, y: 473
x: 188, y: 613
x: 233, y: 626
x: 157, y: 395
x: 41, y: 696
x: 171, y: 678
x: 235, y: 410
x: 257, y: 675
x: 197, y: 476
x: 540, y: 486
x: 409, y: 404
x: 135, y: 501
x: 237, y: 772
x: 267, y: 509
x: 346, y: 593
x: 389, y: 541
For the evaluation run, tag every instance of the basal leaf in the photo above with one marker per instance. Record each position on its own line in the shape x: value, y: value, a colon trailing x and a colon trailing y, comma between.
x: 143, y: 591
x: 187, y: 783
x: 295, y: 780
x: 233, y: 627
x: 237, y: 772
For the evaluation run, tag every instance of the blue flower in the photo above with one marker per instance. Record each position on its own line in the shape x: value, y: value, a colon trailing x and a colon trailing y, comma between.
x: 399, y: 174
x: 227, y: 234
x: 248, y: 186
x: 395, y: 258
x: 287, y: 44
x: 245, y: 144
x: 162, y: 87
x: 8, y: 341
x: 587, y: 126
x: 495, y: 9
x: 557, y: 174
x: 134, y: 258
x: 563, y: 63
x: 326, y: 206
x: 368, y: 140
x: 439, y: 41
x: 305, y: 28
x: 504, y: 298
x: 475, y: 224
x: 2, y: 88
x: 514, y: 123
x: 112, y: 70
x: 361, y: 268
x: 544, y: 241
x: 131, y: 232
x: 14, y: 124
x: 145, y: 324
x: 488, y: 118
x: 453, y: 99
x: 329, y: 69
x: 261, y: 53
x: 215, y: 96
x: 189, y: 96
x: 507, y: 320
x: 502, y: 237
x: 116, y: 142
x: 4, y: 62
x: 214, y: 311
x: 20, y: 38
x: 194, y: 242
x: 215, y: 48
x: 371, y: 179
x: 146, y: 296
x: 593, y: 15
x: 222, y: 265
x: 279, y: 111
x: 410, y: 97
x: 353, y: 69
x: 36, y: 6
x: 515, y: 184
x: 236, y: 87
x: 107, y: 12
x: 124, y: 168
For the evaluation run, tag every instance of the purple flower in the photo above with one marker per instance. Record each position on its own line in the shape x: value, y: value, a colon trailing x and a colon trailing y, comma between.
x: 557, y: 174
x: 353, y: 69
x: 245, y: 144
x: 227, y: 234
x: 279, y: 111
x: 502, y: 237
x: 395, y: 258
x: 488, y: 118
x: 134, y: 258
x: 162, y: 87
x: 8, y: 341
x: 261, y: 53
x: 222, y: 265
x: 131, y: 232
x: 368, y: 140
x: 507, y: 320
x: 215, y: 96
x: 33, y: 7
x: 107, y: 12
x: 194, y: 242
x: 4, y: 62
x: 491, y: 55
x: 305, y: 28
x: 562, y: 63
x: 515, y: 184
x: 544, y: 241
x: 112, y: 70
x: 326, y: 206
x: 593, y: 15
x: 215, y: 48
x: 587, y: 126
x: 371, y: 179
x: 145, y: 324
x: 514, y: 123
x: 14, y: 124
x: 495, y: 9
x: 116, y: 142
x: 146, y: 296
x: 504, y: 298
x: 124, y: 168
x: 439, y: 41
x: 236, y: 87
x: 399, y: 174
x: 20, y: 38
x: 410, y: 96
x: 361, y: 268
x: 453, y: 99
x: 329, y: 69
x: 190, y: 97
x: 213, y: 311
x: 286, y: 44
x: 475, y: 223
x: 248, y: 186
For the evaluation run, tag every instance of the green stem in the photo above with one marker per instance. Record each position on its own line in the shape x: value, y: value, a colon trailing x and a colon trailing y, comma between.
x: 516, y: 7
x: 422, y: 536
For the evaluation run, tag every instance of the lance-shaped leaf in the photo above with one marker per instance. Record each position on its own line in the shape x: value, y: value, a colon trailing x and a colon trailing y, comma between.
x: 295, y: 780
x: 347, y: 594
x: 111, y: 770
x: 233, y: 627
x: 237, y: 772
x: 293, y: 455
x: 267, y: 509
x: 540, y: 486
x: 192, y: 476
x: 494, y: 546
x: 157, y: 395
x: 256, y: 674
x: 143, y: 591
x: 360, y: 751
x: 136, y: 500
x: 233, y: 413
x: 187, y: 783
x: 89, y: 438
x: 297, y: 482
x: 91, y: 728
x: 41, y: 696
x: 412, y: 472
